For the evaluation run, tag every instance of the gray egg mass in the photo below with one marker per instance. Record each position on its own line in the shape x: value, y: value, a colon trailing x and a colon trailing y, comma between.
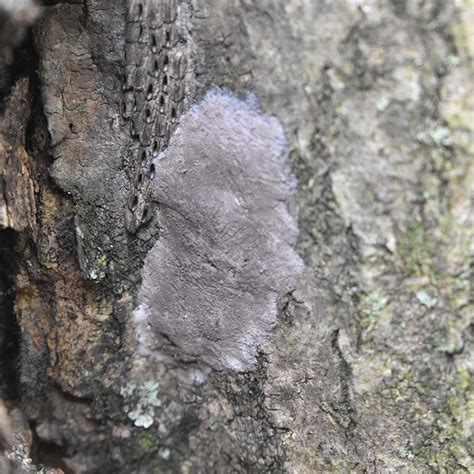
x: 226, y: 248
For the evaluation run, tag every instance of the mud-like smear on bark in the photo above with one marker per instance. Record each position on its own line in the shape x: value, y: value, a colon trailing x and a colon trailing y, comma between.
x: 226, y: 249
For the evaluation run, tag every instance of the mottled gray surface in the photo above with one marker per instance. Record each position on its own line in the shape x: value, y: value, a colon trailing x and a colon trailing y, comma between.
x: 225, y: 255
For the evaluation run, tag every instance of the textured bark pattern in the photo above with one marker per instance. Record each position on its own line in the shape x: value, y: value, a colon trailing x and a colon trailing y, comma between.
x: 154, y: 92
x: 370, y: 365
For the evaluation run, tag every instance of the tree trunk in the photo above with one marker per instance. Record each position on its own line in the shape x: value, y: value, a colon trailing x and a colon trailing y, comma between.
x: 173, y: 300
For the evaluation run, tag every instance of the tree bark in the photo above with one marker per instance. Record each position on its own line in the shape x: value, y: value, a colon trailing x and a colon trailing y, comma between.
x: 363, y: 361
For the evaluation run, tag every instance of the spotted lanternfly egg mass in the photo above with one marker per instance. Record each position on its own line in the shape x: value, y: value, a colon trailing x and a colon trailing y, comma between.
x: 225, y: 254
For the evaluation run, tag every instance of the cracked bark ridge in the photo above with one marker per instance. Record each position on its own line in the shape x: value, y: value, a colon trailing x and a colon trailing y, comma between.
x: 81, y: 95
x: 226, y: 249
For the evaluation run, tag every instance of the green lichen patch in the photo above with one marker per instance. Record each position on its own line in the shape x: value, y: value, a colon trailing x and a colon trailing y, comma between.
x: 371, y: 307
x: 147, y: 443
x: 102, y: 261
x: 453, y: 427
x: 415, y: 251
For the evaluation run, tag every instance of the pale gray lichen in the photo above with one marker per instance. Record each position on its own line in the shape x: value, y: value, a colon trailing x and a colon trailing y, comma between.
x: 425, y: 299
x: 141, y: 402
x: 406, y: 454
x: 442, y: 136
x: 164, y: 453
x: 374, y: 303
x: 382, y: 104
x: 225, y: 254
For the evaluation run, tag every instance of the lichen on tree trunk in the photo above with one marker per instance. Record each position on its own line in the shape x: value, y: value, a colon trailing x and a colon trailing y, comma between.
x: 370, y: 364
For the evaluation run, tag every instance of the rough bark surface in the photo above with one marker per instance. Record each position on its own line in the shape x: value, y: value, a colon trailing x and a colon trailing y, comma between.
x: 371, y: 364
